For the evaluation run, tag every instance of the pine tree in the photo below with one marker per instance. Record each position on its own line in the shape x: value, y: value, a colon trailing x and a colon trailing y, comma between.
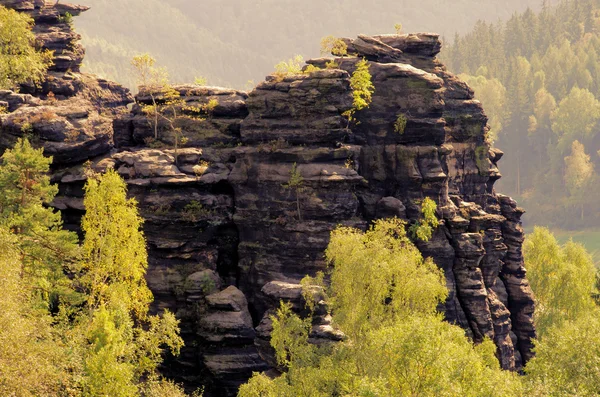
x: 46, y: 249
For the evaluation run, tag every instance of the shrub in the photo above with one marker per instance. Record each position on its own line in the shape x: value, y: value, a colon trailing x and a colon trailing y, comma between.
x: 334, y: 46
x: 362, y: 89
x: 423, y: 229
x: 291, y: 67
x: 400, y: 124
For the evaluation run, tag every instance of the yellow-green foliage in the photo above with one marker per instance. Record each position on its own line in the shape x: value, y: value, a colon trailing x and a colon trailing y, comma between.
x: 89, y: 334
x: 398, y: 28
x: 32, y: 360
x: 158, y: 387
x: 211, y: 105
x: 566, y: 362
x: 67, y: 18
x: 291, y: 67
x: 166, y: 107
x: 371, y: 268
x: 194, y: 211
x: 400, y: 124
x: 423, y: 229
x: 114, y: 247
x: 124, y: 340
x: 383, y: 296
x: 20, y: 60
x: 563, y: 279
x: 362, y: 89
x: 362, y: 86
x: 334, y: 46
x: 200, y: 80
x: 290, y: 338
x: 311, y: 69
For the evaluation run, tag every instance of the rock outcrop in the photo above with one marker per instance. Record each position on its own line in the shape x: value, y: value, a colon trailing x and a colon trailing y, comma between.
x: 228, y: 238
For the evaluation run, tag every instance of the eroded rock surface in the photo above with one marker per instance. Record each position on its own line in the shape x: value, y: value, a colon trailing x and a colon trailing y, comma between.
x: 228, y: 239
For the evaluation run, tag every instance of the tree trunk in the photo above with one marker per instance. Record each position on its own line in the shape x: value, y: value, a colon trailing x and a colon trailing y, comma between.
x: 298, y: 205
x: 155, y: 116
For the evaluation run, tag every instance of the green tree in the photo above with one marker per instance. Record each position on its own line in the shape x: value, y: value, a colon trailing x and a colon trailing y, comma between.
x: 290, y: 67
x: 544, y: 106
x: 563, y: 279
x: 47, y: 250
x: 575, y: 117
x: 32, y: 359
x: 362, y: 85
x: 166, y: 107
x: 334, y: 46
x: 154, y: 81
x: 20, y: 59
x: 383, y: 297
x: 124, y: 341
x: 362, y: 89
x: 579, y: 173
x: 424, y: 228
x: 566, y: 360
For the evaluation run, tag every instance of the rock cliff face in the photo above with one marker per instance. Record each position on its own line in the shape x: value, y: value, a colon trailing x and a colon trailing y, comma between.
x: 228, y: 240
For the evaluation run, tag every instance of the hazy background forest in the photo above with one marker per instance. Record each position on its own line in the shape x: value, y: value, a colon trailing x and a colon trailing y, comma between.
x: 233, y: 41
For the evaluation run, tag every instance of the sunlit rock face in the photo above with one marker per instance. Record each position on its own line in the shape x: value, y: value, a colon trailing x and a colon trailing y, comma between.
x: 228, y: 239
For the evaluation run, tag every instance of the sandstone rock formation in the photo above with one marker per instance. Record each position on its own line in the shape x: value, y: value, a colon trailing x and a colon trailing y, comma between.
x: 227, y: 240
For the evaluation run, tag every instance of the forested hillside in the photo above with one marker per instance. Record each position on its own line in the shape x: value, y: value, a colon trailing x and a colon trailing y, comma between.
x: 234, y: 41
x: 538, y: 76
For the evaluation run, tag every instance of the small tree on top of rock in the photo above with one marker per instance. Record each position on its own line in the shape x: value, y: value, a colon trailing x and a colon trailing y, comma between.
x: 166, y: 103
x: 20, y: 59
x: 290, y: 67
x: 334, y: 46
x: 155, y: 81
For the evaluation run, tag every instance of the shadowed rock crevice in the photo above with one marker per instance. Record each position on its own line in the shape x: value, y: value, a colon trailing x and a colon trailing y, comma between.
x: 229, y: 238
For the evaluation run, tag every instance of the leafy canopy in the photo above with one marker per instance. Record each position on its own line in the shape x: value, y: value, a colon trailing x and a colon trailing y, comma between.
x: 334, y: 46
x: 20, y: 59
x: 383, y: 296
x: 124, y: 341
x: 563, y: 279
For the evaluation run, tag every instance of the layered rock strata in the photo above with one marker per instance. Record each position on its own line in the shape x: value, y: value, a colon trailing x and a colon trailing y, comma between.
x: 228, y: 238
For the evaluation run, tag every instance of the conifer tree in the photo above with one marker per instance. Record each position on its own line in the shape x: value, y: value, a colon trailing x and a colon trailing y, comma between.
x: 46, y: 249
